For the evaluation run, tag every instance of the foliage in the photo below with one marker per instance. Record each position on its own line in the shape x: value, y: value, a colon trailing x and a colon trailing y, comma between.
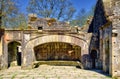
x: 59, y: 9
x: 8, y: 10
x: 10, y: 17
x: 20, y: 21
x: 63, y: 10
x: 82, y: 16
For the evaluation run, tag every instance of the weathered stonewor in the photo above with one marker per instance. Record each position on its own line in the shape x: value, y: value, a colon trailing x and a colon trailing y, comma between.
x: 1, y: 51
x: 98, y: 47
x: 105, y: 28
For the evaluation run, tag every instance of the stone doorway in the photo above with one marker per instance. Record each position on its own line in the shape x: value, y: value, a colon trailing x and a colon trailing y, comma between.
x: 93, y: 55
x: 14, y: 54
x: 57, y: 51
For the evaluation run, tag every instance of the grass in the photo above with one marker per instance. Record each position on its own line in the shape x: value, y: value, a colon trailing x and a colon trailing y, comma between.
x: 13, y: 76
x: 33, y: 78
x: 114, y: 78
x: 1, y: 78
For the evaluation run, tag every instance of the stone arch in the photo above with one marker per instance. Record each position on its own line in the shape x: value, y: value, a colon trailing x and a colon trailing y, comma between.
x: 14, y: 56
x: 13, y: 41
x: 28, y: 52
x: 97, y: 51
x: 93, y: 55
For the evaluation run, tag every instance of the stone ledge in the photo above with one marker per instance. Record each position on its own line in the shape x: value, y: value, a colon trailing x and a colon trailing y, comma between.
x: 57, y: 63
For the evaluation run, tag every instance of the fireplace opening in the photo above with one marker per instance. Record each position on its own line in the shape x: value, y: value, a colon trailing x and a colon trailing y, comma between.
x: 57, y: 51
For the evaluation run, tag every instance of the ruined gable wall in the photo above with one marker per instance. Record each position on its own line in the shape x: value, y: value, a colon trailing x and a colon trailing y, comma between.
x: 99, y: 19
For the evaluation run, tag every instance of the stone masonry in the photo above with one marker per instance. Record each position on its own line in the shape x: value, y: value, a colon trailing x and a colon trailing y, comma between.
x: 99, y: 47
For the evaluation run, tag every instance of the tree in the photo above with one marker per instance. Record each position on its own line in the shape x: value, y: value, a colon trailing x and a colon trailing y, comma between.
x: 82, y: 16
x: 59, y: 9
x: 22, y: 21
x: 8, y: 10
x: 19, y: 22
x: 1, y: 7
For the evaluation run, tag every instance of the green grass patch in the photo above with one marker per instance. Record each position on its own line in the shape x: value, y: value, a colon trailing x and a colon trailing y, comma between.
x: 13, y: 76
x: 114, y: 78
x: 1, y: 78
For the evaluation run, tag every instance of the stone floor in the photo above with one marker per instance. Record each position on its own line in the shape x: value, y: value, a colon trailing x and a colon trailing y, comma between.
x: 52, y: 72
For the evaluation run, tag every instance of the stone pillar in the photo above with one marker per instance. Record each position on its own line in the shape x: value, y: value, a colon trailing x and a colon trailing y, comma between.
x: 116, y: 38
x: 101, y: 45
x: 5, y: 55
x: 27, y: 52
x: 104, y: 66
x: 4, y: 58
x: 85, y: 57
x: 110, y: 51
x: 115, y: 57
x: 28, y: 58
x: 1, y: 38
x: 0, y: 52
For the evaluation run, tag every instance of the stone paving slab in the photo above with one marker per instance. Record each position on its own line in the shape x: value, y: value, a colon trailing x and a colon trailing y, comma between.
x: 52, y: 72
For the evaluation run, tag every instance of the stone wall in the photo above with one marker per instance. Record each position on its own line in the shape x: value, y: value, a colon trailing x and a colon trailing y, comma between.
x: 1, y: 46
x: 32, y: 38
x: 116, y: 37
x: 106, y: 47
x: 105, y: 11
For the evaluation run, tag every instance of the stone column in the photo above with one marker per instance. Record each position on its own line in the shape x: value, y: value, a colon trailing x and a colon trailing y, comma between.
x: 104, y: 66
x: 27, y: 52
x: 5, y: 53
x: 0, y: 46
x: 85, y: 56
x: 115, y: 59
x: 111, y: 55
x: 0, y: 52
x: 28, y: 56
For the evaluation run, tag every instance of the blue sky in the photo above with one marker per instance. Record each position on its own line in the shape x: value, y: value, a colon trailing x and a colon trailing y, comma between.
x: 79, y: 4
x: 86, y: 4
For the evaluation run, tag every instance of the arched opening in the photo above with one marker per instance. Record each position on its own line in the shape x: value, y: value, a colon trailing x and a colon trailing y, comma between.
x: 93, y: 55
x: 57, y: 51
x: 14, y: 54
x: 37, y: 51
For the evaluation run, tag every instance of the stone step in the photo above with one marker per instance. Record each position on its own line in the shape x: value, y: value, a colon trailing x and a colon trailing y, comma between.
x: 57, y: 63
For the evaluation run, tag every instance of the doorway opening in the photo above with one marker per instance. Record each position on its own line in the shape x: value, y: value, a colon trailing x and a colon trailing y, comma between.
x: 93, y: 55
x: 14, y: 54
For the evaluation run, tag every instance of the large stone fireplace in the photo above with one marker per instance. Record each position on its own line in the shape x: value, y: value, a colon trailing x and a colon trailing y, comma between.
x: 57, y: 51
